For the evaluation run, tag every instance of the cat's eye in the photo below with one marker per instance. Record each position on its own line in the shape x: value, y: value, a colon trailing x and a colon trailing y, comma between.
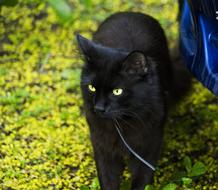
x: 91, y: 88
x: 117, y: 91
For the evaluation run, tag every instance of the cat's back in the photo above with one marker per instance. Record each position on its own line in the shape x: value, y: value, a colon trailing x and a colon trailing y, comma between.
x: 132, y: 31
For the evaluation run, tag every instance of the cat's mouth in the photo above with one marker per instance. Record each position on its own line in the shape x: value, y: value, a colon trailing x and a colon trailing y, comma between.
x: 106, y: 115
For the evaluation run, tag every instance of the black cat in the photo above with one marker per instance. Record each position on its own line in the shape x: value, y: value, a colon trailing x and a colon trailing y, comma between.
x: 128, y: 82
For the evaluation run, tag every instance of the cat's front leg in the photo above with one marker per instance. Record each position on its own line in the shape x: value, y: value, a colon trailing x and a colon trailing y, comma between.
x: 141, y: 175
x: 109, y: 168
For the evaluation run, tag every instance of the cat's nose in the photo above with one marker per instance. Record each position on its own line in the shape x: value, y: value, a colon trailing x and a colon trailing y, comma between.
x: 99, y: 108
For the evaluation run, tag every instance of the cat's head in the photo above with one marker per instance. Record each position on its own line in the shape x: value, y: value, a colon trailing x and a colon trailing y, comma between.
x: 114, y: 82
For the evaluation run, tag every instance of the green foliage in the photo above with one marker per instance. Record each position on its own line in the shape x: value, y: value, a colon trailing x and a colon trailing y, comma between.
x: 8, y: 2
x: 62, y: 9
x: 44, y: 138
x: 184, y: 178
x: 188, y: 164
x: 198, y: 169
x: 193, y: 171
x: 95, y: 184
x: 88, y: 3
x: 170, y: 186
x: 149, y: 187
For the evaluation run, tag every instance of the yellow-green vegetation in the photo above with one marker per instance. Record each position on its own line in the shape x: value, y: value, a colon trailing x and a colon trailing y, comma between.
x: 44, y: 139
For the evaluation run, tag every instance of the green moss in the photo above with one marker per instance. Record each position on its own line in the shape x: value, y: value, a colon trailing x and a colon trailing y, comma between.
x: 44, y: 138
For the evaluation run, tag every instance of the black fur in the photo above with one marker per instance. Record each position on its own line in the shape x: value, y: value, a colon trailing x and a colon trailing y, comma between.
x: 128, y: 51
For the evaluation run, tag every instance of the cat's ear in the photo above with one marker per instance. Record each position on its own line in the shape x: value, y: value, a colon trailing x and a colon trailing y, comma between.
x: 135, y: 63
x: 85, y: 45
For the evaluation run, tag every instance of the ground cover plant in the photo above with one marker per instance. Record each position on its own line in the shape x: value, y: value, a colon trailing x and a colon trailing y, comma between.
x: 44, y: 139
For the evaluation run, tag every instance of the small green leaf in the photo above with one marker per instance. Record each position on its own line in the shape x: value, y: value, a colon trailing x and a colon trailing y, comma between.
x: 87, y: 3
x: 187, y: 163
x: 149, y: 187
x: 95, y: 184
x: 198, y: 169
x: 71, y: 74
x: 170, y: 186
x: 62, y: 9
x: 84, y: 187
x: 125, y: 185
x: 186, y: 181
x: 8, y: 2
x: 178, y: 175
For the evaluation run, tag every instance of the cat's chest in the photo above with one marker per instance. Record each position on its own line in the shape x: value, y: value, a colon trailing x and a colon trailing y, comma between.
x: 105, y: 137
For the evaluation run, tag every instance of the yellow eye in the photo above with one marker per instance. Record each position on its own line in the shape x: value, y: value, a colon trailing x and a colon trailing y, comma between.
x: 91, y: 88
x: 117, y: 91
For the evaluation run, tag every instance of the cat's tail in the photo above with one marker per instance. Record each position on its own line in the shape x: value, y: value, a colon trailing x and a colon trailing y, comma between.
x: 182, y: 78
